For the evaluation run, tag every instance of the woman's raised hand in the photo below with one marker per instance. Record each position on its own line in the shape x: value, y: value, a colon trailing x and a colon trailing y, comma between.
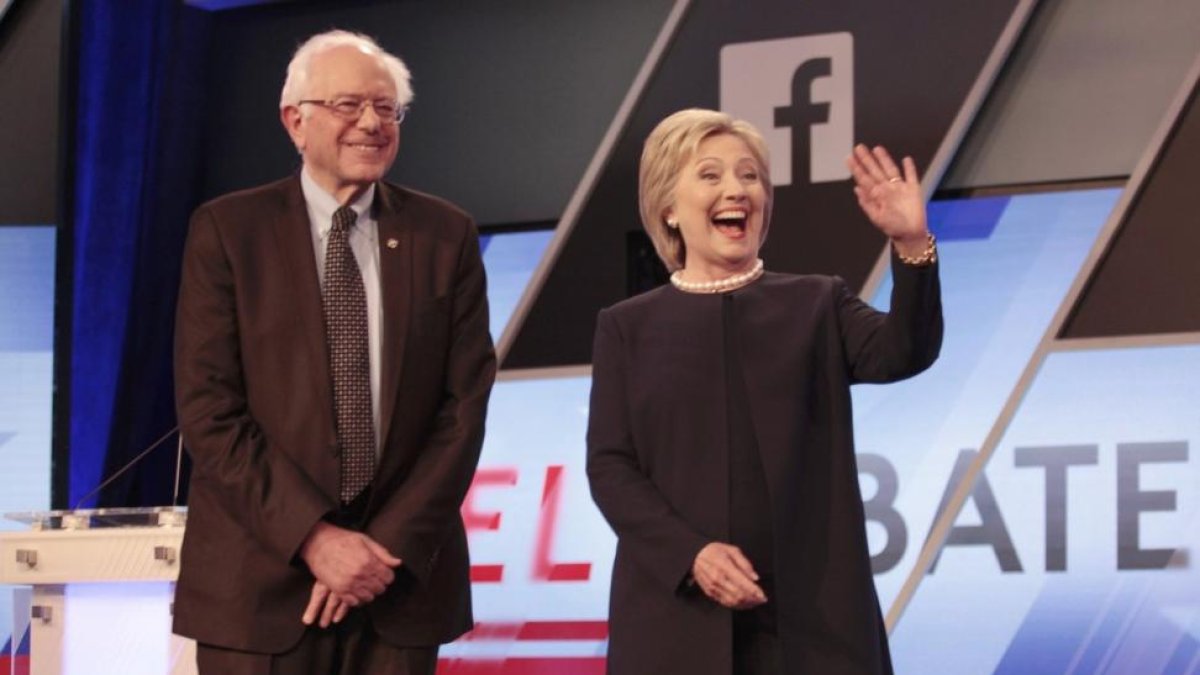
x: 891, y: 199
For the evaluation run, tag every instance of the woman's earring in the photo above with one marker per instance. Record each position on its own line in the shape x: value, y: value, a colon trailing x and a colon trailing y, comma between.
x: 673, y: 224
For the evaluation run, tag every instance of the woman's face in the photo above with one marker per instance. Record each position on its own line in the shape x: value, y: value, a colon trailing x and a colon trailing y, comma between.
x: 719, y: 202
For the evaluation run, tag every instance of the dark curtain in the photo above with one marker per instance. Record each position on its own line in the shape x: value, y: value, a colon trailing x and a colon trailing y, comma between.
x: 139, y: 113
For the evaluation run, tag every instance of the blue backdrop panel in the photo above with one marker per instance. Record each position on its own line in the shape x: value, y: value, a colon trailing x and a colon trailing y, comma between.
x: 26, y: 378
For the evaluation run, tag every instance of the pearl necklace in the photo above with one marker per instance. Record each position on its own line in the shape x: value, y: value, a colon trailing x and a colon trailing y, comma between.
x: 720, y: 285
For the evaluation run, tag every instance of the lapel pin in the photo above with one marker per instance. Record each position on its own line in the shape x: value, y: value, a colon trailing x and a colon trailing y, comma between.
x: 393, y: 243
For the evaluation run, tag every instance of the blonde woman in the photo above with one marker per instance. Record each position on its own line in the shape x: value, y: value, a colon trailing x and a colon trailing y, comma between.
x: 720, y: 447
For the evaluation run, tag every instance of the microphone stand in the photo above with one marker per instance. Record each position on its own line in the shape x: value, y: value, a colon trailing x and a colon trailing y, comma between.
x: 178, y: 471
x: 128, y: 465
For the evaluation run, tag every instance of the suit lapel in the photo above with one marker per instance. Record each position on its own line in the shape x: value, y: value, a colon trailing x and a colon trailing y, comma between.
x: 294, y: 237
x: 395, y: 278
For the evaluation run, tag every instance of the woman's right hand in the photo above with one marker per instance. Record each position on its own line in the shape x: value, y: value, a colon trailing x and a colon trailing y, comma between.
x: 726, y: 576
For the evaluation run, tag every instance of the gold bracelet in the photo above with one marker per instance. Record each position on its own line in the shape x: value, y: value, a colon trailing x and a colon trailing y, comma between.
x: 927, y: 257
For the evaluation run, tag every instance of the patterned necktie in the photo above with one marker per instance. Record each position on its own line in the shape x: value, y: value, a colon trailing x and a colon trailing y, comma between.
x: 345, y: 305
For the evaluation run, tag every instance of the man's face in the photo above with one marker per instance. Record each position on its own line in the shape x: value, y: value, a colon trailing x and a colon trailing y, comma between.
x: 344, y: 156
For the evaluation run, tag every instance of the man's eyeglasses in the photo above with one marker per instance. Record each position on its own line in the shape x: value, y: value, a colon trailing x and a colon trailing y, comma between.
x: 350, y: 108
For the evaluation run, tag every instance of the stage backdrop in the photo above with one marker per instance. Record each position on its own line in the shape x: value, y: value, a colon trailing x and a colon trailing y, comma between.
x: 1064, y: 413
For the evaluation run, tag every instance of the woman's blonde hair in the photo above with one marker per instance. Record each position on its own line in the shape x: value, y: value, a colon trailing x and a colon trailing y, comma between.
x: 668, y: 148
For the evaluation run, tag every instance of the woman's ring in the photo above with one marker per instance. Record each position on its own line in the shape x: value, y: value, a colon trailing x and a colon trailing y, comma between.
x: 895, y: 179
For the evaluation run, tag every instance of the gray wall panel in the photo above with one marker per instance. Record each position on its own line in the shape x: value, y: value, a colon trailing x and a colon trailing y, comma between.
x: 30, y: 36
x: 512, y: 98
x: 1084, y: 92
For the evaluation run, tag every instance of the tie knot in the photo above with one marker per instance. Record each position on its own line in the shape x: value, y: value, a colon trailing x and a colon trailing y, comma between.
x: 344, y: 218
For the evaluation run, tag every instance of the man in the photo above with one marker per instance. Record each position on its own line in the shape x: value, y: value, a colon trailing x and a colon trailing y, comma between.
x: 333, y: 366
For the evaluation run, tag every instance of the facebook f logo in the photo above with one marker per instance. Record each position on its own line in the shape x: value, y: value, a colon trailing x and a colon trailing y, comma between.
x: 799, y: 92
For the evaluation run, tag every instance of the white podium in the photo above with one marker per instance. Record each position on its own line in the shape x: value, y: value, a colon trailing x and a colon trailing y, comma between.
x: 102, y: 585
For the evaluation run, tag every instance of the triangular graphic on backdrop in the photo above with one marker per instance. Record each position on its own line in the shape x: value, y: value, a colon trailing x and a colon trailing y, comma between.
x: 1154, y: 253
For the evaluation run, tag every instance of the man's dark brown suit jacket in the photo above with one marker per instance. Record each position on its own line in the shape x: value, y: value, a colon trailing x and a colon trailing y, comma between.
x: 255, y: 403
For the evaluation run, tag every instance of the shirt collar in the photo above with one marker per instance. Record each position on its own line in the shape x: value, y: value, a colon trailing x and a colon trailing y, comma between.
x: 321, y: 204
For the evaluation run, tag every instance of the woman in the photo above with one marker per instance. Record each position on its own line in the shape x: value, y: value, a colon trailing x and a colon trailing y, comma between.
x: 720, y: 447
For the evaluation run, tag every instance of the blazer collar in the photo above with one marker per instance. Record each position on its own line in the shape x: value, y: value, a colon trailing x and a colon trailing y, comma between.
x: 293, y: 237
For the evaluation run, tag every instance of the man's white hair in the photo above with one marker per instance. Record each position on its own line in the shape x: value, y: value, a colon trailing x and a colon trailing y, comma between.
x: 295, y: 86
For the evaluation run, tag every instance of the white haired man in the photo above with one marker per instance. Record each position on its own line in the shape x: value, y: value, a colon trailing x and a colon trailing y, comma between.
x: 332, y: 367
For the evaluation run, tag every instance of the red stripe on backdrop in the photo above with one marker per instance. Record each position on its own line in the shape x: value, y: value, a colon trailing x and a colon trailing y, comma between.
x: 588, y: 665
x: 17, y: 665
x: 570, y: 572
x: 487, y: 574
x: 564, y: 630
x: 538, y: 630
